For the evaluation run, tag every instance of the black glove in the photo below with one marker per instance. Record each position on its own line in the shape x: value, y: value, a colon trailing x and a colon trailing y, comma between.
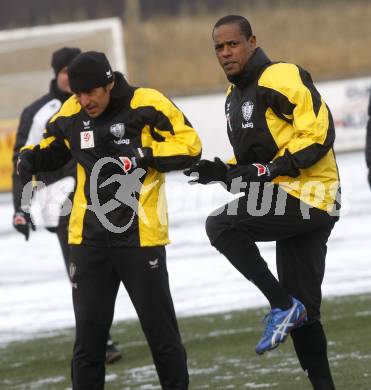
x: 144, y: 157
x: 258, y: 172
x: 369, y: 177
x: 22, y: 223
x: 208, y: 171
x: 251, y: 173
x: 24, y: 166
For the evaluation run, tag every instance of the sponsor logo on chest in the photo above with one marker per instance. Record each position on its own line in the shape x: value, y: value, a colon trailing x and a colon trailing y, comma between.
x: 247, y: 111
x: 87, y: 139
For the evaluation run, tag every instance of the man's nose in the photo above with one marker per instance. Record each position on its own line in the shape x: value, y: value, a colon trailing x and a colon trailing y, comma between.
x: 84, y: 100
x: 226, y: 52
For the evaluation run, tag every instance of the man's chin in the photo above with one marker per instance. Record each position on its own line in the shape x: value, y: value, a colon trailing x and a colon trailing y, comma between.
x: 233, y: 76
x: 92, y: 113
x: 231, y: 73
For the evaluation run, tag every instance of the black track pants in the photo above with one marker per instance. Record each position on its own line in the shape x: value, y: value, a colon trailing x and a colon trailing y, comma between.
x: 311, y: 348
x: 98, y: 273
x: 62, y: 234
x: 301, y: 236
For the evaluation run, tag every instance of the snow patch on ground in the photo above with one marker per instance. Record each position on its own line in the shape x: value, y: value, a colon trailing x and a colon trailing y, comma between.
x: 35, y: 295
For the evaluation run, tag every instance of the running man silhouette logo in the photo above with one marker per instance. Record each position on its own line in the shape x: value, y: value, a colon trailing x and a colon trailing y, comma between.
x: 130, y: 185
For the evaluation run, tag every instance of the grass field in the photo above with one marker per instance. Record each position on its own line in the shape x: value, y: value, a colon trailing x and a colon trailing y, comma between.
x: 220, y: 354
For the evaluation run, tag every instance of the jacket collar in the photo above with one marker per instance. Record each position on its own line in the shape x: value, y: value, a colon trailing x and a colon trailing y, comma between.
x: 120, y: 97
x: 250, y: 72
x: 121, y: 93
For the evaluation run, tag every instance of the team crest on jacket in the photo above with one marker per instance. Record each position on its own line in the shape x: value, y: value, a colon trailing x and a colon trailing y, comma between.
x: 118, y: 131
x: 247, y: 110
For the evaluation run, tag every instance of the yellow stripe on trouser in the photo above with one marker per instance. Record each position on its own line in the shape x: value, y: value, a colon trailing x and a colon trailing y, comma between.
x: 76, y: 222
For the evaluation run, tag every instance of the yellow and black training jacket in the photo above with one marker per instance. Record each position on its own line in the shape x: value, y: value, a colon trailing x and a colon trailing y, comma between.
x: 135, y: 117
x: 274, y: 112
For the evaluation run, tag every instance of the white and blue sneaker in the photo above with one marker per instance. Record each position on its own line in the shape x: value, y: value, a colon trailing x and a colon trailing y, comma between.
x: 279, y: 324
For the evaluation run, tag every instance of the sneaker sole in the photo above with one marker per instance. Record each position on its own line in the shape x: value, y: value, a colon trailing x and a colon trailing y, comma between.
x: 270, y: 349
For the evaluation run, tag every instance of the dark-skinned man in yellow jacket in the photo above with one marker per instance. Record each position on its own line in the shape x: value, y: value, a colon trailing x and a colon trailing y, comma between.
x: 282, y: 134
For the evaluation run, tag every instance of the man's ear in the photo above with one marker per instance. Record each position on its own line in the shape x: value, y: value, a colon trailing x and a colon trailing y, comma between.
x: 111, y: 85
x: 252, y: 41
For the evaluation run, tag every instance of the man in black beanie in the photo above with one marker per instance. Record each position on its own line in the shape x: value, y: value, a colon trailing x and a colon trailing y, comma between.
x: 32, y: 124
x: 88, y: 72
x: 61, y: 58
x: 124, y: 140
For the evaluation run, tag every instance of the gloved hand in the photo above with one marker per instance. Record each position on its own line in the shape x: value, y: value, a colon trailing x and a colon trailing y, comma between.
x: 144, y: 157
x: 263, y: 172
x: 207, y: 171
x: 24, y: 166
x: 369, y: 177
x: 22, y: 223
x: 255, y: 172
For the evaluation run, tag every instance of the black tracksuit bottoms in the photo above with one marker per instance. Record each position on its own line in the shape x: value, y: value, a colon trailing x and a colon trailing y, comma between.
x: 62, y: 234
x: 300, y: 232
x: 301, y: 235
x: 96, y: 276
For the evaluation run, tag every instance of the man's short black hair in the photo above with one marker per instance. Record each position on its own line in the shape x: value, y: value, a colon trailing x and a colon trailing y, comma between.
x: 243, y: 23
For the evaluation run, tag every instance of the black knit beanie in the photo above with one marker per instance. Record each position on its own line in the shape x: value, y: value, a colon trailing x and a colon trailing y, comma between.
x: 89, y: 70
x: 62, y: 57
